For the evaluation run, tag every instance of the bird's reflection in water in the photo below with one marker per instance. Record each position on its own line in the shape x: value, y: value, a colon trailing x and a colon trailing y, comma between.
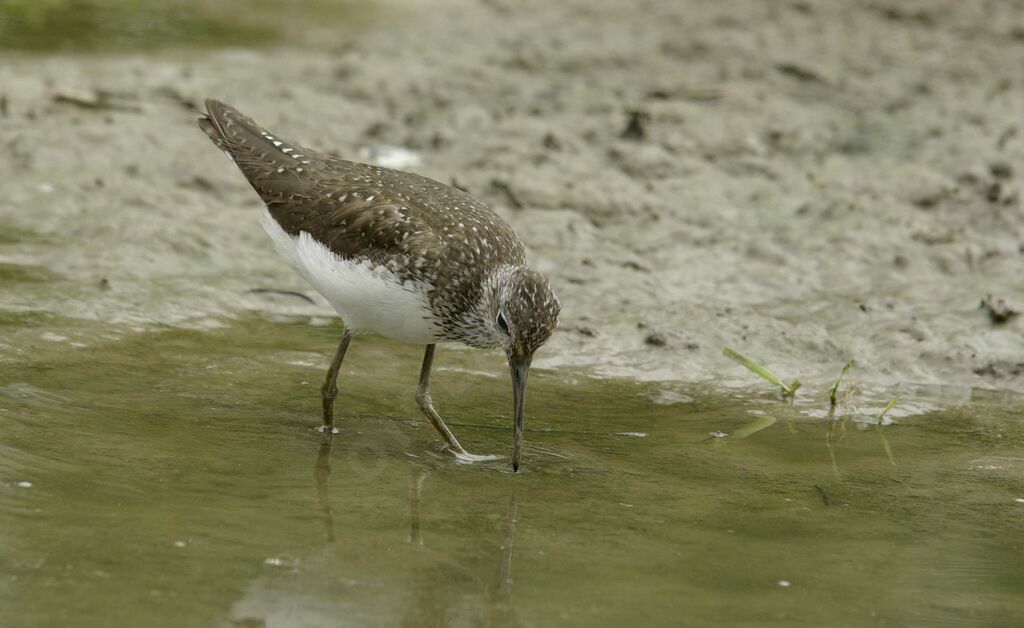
x: 416, y: 478
x: 322, y: 476
x: 412, y: 584
x: 448, y: 592
x: 502, y: 610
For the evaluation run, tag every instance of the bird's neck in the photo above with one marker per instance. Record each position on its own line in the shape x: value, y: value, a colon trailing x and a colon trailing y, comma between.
x: 477, y: 323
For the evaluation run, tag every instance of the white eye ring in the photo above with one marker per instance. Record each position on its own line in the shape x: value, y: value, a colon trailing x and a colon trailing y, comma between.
x: 502, y: 323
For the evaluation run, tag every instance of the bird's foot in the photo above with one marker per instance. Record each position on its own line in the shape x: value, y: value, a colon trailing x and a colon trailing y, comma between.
x: 464, y: 457
x: 328, y: 428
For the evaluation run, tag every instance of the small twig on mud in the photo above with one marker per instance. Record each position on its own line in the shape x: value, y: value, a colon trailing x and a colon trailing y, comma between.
x: 287, y: 293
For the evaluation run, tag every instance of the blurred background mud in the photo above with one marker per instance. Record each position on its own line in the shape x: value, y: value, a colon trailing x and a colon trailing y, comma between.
x: 806, y: 181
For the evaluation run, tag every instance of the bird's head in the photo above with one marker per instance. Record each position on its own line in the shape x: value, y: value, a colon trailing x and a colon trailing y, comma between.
x: 525, y: 313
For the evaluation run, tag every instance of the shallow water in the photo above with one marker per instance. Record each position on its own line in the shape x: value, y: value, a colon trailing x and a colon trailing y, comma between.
x: 173, y: 478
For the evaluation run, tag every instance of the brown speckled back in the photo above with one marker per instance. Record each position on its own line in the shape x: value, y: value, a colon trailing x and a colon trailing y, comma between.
x: 420, y: 229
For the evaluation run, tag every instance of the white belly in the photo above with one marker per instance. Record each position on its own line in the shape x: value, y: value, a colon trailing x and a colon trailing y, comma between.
x: 368, y: 299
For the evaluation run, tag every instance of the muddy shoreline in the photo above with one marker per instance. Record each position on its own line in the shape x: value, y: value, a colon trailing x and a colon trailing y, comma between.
x: 807, y: 183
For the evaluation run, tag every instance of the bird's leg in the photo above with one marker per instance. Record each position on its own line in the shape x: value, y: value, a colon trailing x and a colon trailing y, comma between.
x: 330, y: 388
x: 427, y: 404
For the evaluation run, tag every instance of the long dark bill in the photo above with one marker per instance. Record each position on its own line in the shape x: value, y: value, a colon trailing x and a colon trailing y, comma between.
x: 520, y: 367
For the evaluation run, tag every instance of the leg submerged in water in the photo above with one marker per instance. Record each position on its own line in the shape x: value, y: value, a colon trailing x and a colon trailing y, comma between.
x: 329, y: 390
x: 427, y: 406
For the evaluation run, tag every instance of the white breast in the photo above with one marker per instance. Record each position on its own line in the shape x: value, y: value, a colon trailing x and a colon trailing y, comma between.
x: 369, y: 299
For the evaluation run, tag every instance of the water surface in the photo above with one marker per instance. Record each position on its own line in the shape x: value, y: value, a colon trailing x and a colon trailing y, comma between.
x: 173, y: 478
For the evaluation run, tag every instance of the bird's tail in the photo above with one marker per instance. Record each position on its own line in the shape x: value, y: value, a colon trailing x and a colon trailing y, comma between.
x: 268, y: 162
x: 233, y: 131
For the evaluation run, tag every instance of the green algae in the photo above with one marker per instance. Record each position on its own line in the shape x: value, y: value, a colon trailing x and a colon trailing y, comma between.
x: 92, y: 26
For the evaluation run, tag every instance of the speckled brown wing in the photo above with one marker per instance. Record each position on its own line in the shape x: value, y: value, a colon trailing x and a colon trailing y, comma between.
x: 420, y: 228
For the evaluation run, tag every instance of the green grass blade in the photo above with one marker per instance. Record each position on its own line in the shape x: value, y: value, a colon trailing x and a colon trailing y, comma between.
x: 753, y: 366
x: 888, y: 407
x: 787, y: 391
x: 835, y: 387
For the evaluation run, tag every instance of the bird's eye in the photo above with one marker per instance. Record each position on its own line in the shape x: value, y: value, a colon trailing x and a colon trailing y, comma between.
x: 502, y: 323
